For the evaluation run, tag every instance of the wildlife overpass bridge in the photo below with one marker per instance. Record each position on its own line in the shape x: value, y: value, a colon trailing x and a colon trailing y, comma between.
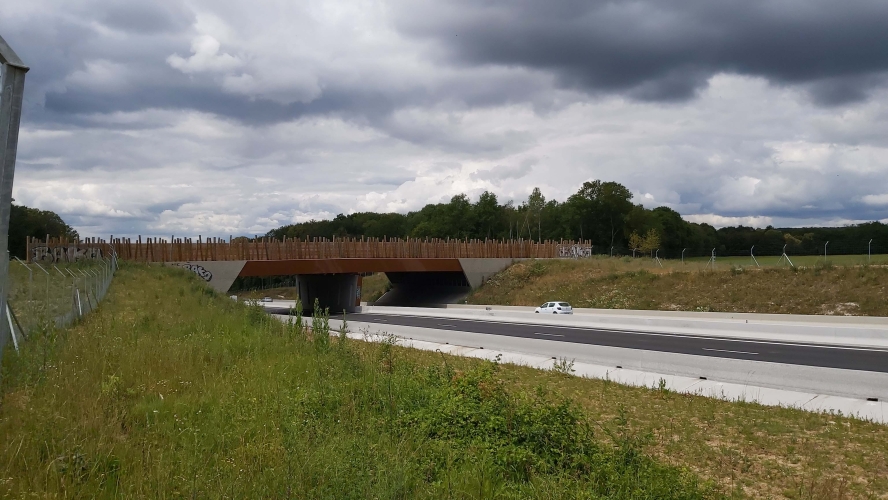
x: 329, y: 270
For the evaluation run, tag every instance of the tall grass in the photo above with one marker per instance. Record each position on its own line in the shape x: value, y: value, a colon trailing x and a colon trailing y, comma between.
x: 169, y: 390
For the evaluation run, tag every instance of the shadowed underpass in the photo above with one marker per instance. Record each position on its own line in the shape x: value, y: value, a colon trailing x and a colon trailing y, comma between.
x: 425, y: 289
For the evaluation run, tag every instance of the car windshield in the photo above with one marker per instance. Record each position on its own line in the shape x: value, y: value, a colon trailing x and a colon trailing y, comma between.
x: 564, y: 304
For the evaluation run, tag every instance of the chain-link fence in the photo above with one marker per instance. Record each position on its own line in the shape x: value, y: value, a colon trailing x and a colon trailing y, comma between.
x: 43, y: 297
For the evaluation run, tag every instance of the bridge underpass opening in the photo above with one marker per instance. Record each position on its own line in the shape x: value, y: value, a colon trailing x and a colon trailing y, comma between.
x: 336, y: 292
x: 424, y: 289
x: 342, y: 291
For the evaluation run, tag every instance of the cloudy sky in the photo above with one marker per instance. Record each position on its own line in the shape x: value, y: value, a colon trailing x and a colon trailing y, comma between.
x: 231, y: 117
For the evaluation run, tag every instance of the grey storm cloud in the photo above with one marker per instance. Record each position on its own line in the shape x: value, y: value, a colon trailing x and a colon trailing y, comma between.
x: 503, y: 172
x: 667, y: 49
x: 647, y: 50
x: 147, y: 17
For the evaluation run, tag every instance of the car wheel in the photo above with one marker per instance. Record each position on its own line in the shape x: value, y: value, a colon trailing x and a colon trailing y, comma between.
x: 537, y: 312
x: 554, y: 312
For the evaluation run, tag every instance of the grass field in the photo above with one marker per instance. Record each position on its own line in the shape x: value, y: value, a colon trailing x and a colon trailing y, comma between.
x: 772, y: 261
x: 169, y: 390
x: 611, y: 283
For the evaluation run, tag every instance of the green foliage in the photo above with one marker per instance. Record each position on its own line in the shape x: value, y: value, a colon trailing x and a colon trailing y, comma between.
x: 563, y: 366
x: 25, y: 221
x: 320, y: 326
x: 295, y: 324
x: 523, y: 436
x: 647, y: 243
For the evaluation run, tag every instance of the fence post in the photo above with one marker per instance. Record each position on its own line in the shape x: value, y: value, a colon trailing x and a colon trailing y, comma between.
x: 12, y: 74
x: 869, y: 251
x: 11, y: 328
x: 683, y: 255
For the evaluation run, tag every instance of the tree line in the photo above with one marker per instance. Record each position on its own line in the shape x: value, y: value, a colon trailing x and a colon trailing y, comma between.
x: 600, y: 212
x: 25, y: 221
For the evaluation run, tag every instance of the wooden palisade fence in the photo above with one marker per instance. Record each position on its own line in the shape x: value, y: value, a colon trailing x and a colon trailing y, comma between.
x: 208, y: 249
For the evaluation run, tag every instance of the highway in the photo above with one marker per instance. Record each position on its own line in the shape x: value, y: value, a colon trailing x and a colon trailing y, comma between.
x: 807, y: 354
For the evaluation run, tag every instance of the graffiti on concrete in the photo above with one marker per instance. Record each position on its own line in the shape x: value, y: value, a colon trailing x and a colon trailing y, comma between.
x: 574, y: 251
x: 197, y: 269
x: 70, y: 253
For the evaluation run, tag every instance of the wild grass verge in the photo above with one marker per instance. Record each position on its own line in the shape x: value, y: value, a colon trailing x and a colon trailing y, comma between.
x: 611, y: 283
x: 171, y: 390
x: 375, y: 286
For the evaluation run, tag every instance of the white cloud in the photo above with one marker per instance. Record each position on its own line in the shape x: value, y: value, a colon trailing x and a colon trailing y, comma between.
x: 205, y: 57
x: 722, y: 221
x: 102, y: 74
x: 876, y: 199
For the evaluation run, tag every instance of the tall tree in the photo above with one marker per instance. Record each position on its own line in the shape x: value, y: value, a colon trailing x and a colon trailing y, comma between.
x: 535, y: 204
x: 602, y: 207
x: 488, y: 216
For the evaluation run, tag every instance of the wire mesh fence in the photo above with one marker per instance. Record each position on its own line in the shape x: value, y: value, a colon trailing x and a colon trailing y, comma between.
x: 43, y: 297
x: 843, y: 253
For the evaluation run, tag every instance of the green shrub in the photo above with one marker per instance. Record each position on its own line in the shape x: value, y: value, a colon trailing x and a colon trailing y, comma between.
x: 476, y: 418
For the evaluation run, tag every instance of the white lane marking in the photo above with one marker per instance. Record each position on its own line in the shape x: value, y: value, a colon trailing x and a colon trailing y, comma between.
x: 549, y: 334
x: 659, y: 334
x: 448, y: 326
x: 725, y: 350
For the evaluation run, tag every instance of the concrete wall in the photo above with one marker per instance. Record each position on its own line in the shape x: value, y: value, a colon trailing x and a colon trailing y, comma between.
x: 220, y: 274
x: 478, y: 271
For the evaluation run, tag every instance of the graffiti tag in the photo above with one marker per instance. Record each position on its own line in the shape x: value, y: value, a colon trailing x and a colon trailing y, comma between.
x: 70, y: 253
x: 574, y: 251
x: 196, y: 269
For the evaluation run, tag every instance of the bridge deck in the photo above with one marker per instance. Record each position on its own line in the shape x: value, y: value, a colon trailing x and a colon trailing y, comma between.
x: 267, y: 249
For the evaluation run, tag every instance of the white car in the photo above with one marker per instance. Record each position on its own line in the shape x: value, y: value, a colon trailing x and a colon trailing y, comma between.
x: 555, y: 308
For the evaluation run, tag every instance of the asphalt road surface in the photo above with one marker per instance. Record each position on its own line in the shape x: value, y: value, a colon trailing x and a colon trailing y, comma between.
x: 830, y: 356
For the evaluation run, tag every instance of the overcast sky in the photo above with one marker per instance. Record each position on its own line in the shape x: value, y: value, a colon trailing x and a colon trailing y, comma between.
x: 231, y: 117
